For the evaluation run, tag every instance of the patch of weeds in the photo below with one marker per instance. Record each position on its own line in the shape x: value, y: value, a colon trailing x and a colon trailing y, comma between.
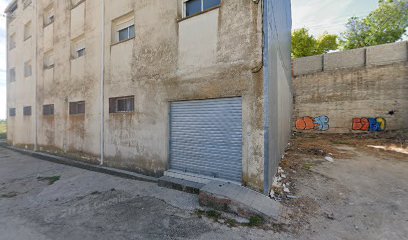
x: 9, y: 195
x: 51, y: 180
x: 200, y: 213
x: 308, y: 166
x: 256, y: 221
x: 339, y: 142
x: 231, y: 223
x: 213, y: 214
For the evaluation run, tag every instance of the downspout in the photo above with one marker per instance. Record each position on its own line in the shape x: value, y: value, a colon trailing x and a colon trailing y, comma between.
x: 36, y: 76
x: 102, y: 85
x: 266, y: 98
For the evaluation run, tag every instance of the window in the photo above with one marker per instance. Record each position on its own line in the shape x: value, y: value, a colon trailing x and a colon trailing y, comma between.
x: 27, y: 69
x: 27, y: 30
x: 12, y: 75
x: 48, y: 16
x: 78, y: 47
x: 26, y: 3
x: 123, y: 28
x: 122, y: 104
x: 127, y: 33
x: 11, y: 11
x: 193, y: 7
x: 76, y: 108
x: 27, y: 111
x: 48, y: 110
x: 12, y: 112
x: 49, y: 60
x: 12, y: 41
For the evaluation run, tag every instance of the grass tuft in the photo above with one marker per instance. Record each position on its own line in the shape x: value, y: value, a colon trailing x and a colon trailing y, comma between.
x: 51, y: 180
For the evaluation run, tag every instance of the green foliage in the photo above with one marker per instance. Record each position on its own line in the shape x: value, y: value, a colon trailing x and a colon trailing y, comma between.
x: 387, y: 24
x: 3, y: 130
x: 305, y: 44
x: 50, y: 180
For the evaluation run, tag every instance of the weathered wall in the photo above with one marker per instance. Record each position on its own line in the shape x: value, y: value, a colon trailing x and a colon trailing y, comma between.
x: 277, y: 84
x: 164, y: 65
x: 354, y: 91
x: 216, y: 54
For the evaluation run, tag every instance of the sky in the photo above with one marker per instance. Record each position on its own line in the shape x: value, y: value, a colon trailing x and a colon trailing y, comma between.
x: 317, y: 15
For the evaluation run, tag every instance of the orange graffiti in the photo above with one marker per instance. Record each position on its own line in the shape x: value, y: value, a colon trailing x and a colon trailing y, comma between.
x: 361, y: 124
x: 305, y: 123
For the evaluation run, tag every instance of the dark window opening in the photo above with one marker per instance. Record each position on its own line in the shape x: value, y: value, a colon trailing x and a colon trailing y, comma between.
x: 27, y: 111
x: 12, y: 112
x: 77, y: 108
x: 48, y: 110
x: 122, y: 104
x: 81, y: 52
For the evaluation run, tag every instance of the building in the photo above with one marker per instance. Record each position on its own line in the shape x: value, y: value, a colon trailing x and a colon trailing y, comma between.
x: 185, y: 86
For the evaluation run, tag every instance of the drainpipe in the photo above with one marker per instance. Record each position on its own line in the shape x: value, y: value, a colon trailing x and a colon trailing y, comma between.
x: 36, y: 75
x: 102, y: 90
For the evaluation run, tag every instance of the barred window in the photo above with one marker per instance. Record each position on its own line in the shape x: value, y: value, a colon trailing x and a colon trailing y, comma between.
x: 27, y: 111
x: 122, y: 104
x: 77, y: 108
x: 48, y: 110
x: 12, y: 112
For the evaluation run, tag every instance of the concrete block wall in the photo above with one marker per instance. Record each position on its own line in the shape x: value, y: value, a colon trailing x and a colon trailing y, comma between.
x: 361, y: 90
x: 356, y: 58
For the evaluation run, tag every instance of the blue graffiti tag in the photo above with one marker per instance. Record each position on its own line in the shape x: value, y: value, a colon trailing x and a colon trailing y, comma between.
x: 322, y: 123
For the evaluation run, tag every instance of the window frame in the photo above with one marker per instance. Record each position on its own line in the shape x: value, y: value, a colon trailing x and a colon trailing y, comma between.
x: 26, y: 3
x: 74, y: 108
x: 28, y: 27
x: 27, y: 111
x: 12, y: 112
x: 26, y: 64
x: 203, y: 10
x: 12, y: 41
x: 50, y: 112
x: 49, y: 16
x: 49, y: 57
x: 14, y: 78
x: 114, y: 104
x: 124, y: 22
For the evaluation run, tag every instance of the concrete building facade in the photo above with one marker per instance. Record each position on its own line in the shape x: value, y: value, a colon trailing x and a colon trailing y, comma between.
x: 190, y: 86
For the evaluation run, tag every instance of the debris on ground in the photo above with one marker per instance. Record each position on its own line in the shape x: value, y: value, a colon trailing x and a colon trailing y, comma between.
x: 50, y: 180
x: 329, y: 159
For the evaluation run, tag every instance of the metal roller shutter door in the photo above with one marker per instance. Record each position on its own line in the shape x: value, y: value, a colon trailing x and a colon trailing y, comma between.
x: 206, y: 137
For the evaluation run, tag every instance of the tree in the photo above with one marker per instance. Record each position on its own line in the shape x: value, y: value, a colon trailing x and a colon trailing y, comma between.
x: 387, y: 24
x: 305, y: 44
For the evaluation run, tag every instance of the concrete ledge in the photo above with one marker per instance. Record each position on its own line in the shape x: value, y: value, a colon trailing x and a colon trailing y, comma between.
x: 307, y: 65
x: 387, y: 54
x: 86, y: 166
x: 239, y: 200
x: 180, y: 184
x: 347, y: 59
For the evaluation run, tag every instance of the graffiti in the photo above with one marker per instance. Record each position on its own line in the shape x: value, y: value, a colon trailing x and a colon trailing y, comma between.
x: 369, y: 124
x: 309, y: 123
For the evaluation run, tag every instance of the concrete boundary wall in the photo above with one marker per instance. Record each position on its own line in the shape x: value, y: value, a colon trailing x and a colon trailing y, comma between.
x: 362, y: 90
x: 356, y: 58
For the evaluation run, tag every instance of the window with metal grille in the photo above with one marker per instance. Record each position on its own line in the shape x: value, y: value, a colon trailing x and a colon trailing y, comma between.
x: 27, y: 111
x: 12, y: 112
x: 77, y: 108
x: 48, y: 110
x: 122, y: 104
x: 193, y: 7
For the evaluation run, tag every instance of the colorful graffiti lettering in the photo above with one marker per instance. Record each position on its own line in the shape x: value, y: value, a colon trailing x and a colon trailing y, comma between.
x: 309, y: 123
x: 369, y: 124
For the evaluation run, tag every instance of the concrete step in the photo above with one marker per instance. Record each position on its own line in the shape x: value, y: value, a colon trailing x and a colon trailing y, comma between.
x: 241, y: 201
x: 180, y: 184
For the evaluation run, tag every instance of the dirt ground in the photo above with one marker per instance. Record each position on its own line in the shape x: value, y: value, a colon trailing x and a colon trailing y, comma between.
x: 359, y: 192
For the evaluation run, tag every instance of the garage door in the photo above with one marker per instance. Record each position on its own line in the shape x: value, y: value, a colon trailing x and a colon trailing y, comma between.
x: 206, y: 138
